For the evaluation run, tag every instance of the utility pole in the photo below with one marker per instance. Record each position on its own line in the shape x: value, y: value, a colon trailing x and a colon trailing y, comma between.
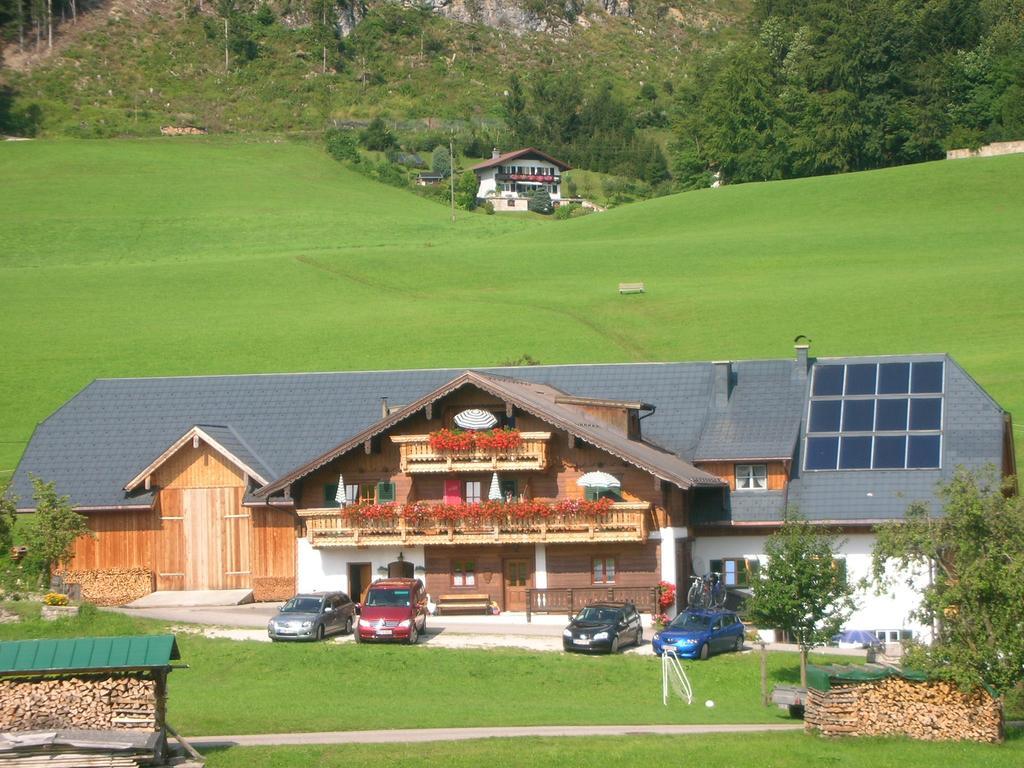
x: 225, y: 44
x: 324, y: 33
x: 451, y: 172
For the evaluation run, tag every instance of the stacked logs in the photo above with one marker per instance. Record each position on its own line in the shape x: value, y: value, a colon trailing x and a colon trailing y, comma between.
x: 88, y: 702
x: 272, y: 589
x: 113, y: 586
x: 932, y: 711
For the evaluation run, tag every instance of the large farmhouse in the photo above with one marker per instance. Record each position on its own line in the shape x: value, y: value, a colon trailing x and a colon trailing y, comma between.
x: 516, y: 483
x: 509, y: 180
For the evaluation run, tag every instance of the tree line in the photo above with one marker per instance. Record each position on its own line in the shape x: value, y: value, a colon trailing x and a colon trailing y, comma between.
x: 590, y: 128
x: 826, y: 87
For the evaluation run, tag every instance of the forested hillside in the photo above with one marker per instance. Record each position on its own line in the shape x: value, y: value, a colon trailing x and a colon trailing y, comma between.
x: 128, y: 66
x: 825, y: 87
x: 661, y: 95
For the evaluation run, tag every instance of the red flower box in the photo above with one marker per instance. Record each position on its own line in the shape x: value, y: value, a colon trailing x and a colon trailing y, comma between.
x: 479, y: 512
x: 457, y: 441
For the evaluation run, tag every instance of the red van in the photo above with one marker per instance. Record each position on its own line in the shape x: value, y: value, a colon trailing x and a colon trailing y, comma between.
x: 393, y: 609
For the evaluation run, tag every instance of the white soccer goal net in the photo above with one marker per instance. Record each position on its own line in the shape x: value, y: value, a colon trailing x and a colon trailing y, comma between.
x: 673, y: 678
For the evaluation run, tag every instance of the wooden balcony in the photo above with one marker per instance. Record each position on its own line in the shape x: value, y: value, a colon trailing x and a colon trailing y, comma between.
x: 418, y: 457
x: 625, y: 522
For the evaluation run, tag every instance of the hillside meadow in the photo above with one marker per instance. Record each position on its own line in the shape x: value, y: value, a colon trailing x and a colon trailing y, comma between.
x: 209, y: 255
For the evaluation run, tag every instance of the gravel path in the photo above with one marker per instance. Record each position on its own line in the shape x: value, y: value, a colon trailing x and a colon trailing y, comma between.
x: 464, y: 734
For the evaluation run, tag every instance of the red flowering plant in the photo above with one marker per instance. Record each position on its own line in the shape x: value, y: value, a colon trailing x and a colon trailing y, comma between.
x: 666, y: 595
x: 451, y: 440
x: 666, y: 600
x: 477, y: 512
x: 502, y: 439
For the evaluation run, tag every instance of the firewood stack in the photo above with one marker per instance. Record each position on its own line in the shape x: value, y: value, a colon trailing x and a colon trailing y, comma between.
x: 931, y: 711
x: 89, y: 702
x: 268, y: 588
x: 114, y: 586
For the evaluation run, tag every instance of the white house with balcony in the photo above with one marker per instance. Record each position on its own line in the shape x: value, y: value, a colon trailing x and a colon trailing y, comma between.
x: 508, y: 180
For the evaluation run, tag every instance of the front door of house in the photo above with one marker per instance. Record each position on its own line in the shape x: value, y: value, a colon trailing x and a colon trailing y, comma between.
x: 359, y: 577
x: 517, y: 575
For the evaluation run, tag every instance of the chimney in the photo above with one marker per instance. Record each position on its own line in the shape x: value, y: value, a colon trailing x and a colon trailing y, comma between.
x: 384, y: 410
x: 495, y: 153
x: 721, y: 382
x: 803, y: 361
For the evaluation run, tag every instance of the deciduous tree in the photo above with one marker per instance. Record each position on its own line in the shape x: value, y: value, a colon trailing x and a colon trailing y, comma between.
x: 974, y: 552
x: 53, y: 527
x: 802, y: 588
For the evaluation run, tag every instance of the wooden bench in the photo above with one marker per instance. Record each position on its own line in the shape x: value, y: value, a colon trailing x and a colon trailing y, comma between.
x: 631, y: 287
x: 448, y: 604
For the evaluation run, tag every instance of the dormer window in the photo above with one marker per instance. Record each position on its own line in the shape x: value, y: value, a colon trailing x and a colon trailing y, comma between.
x: 751, y: 477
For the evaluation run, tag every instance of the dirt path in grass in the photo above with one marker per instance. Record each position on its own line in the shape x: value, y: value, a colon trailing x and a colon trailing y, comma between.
x: 464, y: 734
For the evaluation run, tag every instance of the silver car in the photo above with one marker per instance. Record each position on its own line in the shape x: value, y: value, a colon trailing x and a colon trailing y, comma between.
x: 313, y: 616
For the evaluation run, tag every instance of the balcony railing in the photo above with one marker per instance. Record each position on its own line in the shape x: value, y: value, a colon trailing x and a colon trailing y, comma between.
x: 624, y: 522
x: 417, y: 456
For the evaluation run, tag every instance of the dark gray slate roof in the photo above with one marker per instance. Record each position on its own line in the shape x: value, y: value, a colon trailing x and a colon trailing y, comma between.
x: 96, y: 442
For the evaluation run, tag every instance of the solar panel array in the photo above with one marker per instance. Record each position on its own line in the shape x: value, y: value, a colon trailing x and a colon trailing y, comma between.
x: 875, y: 416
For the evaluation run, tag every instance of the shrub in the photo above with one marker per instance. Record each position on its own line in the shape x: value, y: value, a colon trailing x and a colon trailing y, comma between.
x: 341, y: 145
x: 55, y: 598
x: 540, y: 202
x: 489, y: 208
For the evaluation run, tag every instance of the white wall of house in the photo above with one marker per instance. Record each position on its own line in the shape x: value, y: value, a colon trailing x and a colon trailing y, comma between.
x: 490, y: 187
x: 327, y: 569
x: 889, y: 611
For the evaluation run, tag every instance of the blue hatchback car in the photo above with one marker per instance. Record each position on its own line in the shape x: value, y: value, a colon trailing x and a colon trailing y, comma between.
x: 698, y: 634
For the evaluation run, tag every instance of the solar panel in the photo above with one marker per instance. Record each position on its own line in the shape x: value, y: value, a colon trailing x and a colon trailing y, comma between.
x: 861, y: 416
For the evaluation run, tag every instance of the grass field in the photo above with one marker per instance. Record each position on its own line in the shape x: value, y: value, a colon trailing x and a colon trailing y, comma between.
x: 157, y: 257
x: 792, y: 750
x: 233, y: 687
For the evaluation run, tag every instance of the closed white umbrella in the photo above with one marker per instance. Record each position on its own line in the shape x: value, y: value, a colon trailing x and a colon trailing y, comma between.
x: 341, y: 497
x: 474, y: 418
x: 598, y: 480
x: 494, y: 494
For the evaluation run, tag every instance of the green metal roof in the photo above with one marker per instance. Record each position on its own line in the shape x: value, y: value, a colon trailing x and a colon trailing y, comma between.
x: 821, y: 677
x: 87, y: 654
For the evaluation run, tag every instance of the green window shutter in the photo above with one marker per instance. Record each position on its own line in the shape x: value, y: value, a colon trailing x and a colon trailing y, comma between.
x: 509, y: 488
x: 385, y: 492
x: 330, y: 494
x: 716, y: 566
x: 591, y: 494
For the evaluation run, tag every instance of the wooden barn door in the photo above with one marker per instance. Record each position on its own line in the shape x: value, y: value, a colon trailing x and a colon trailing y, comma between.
x: 517, y: 579
x: 170, y: 545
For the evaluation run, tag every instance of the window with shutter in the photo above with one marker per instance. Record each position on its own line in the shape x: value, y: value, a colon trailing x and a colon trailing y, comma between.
x: 331, y: 495
x: 509, y: 490
x: 385, y: 492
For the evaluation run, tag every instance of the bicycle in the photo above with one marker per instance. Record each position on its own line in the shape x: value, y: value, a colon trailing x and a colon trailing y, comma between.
x: 706, y: 592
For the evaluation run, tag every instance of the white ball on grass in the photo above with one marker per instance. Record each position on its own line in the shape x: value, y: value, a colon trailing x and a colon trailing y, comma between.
x: 709, y: 703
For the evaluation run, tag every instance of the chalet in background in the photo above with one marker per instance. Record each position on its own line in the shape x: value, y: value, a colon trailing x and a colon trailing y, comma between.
x: 509, y: 180
x: 515, y: 483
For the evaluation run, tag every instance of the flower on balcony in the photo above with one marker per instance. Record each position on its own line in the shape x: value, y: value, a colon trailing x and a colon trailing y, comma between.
x: 451, y: 440
x: 480, y: 512
x: 502, y: 439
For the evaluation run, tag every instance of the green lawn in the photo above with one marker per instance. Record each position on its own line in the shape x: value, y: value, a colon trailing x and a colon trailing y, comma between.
x: 763, y: 750
x: 233, y: 686
x: 164, y: 257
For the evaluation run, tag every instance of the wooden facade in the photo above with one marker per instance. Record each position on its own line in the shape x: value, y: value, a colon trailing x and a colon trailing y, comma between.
x: 198, y: 535
x: 778, y: 472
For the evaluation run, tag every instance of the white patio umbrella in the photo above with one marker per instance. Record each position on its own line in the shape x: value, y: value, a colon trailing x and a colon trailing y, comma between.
x: 474, y: 418
x: 598, y: 480
x: 494, y: 494
x: 341, y: 497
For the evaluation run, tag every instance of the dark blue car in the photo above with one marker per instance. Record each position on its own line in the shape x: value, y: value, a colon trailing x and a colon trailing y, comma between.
x: 698, y: 634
